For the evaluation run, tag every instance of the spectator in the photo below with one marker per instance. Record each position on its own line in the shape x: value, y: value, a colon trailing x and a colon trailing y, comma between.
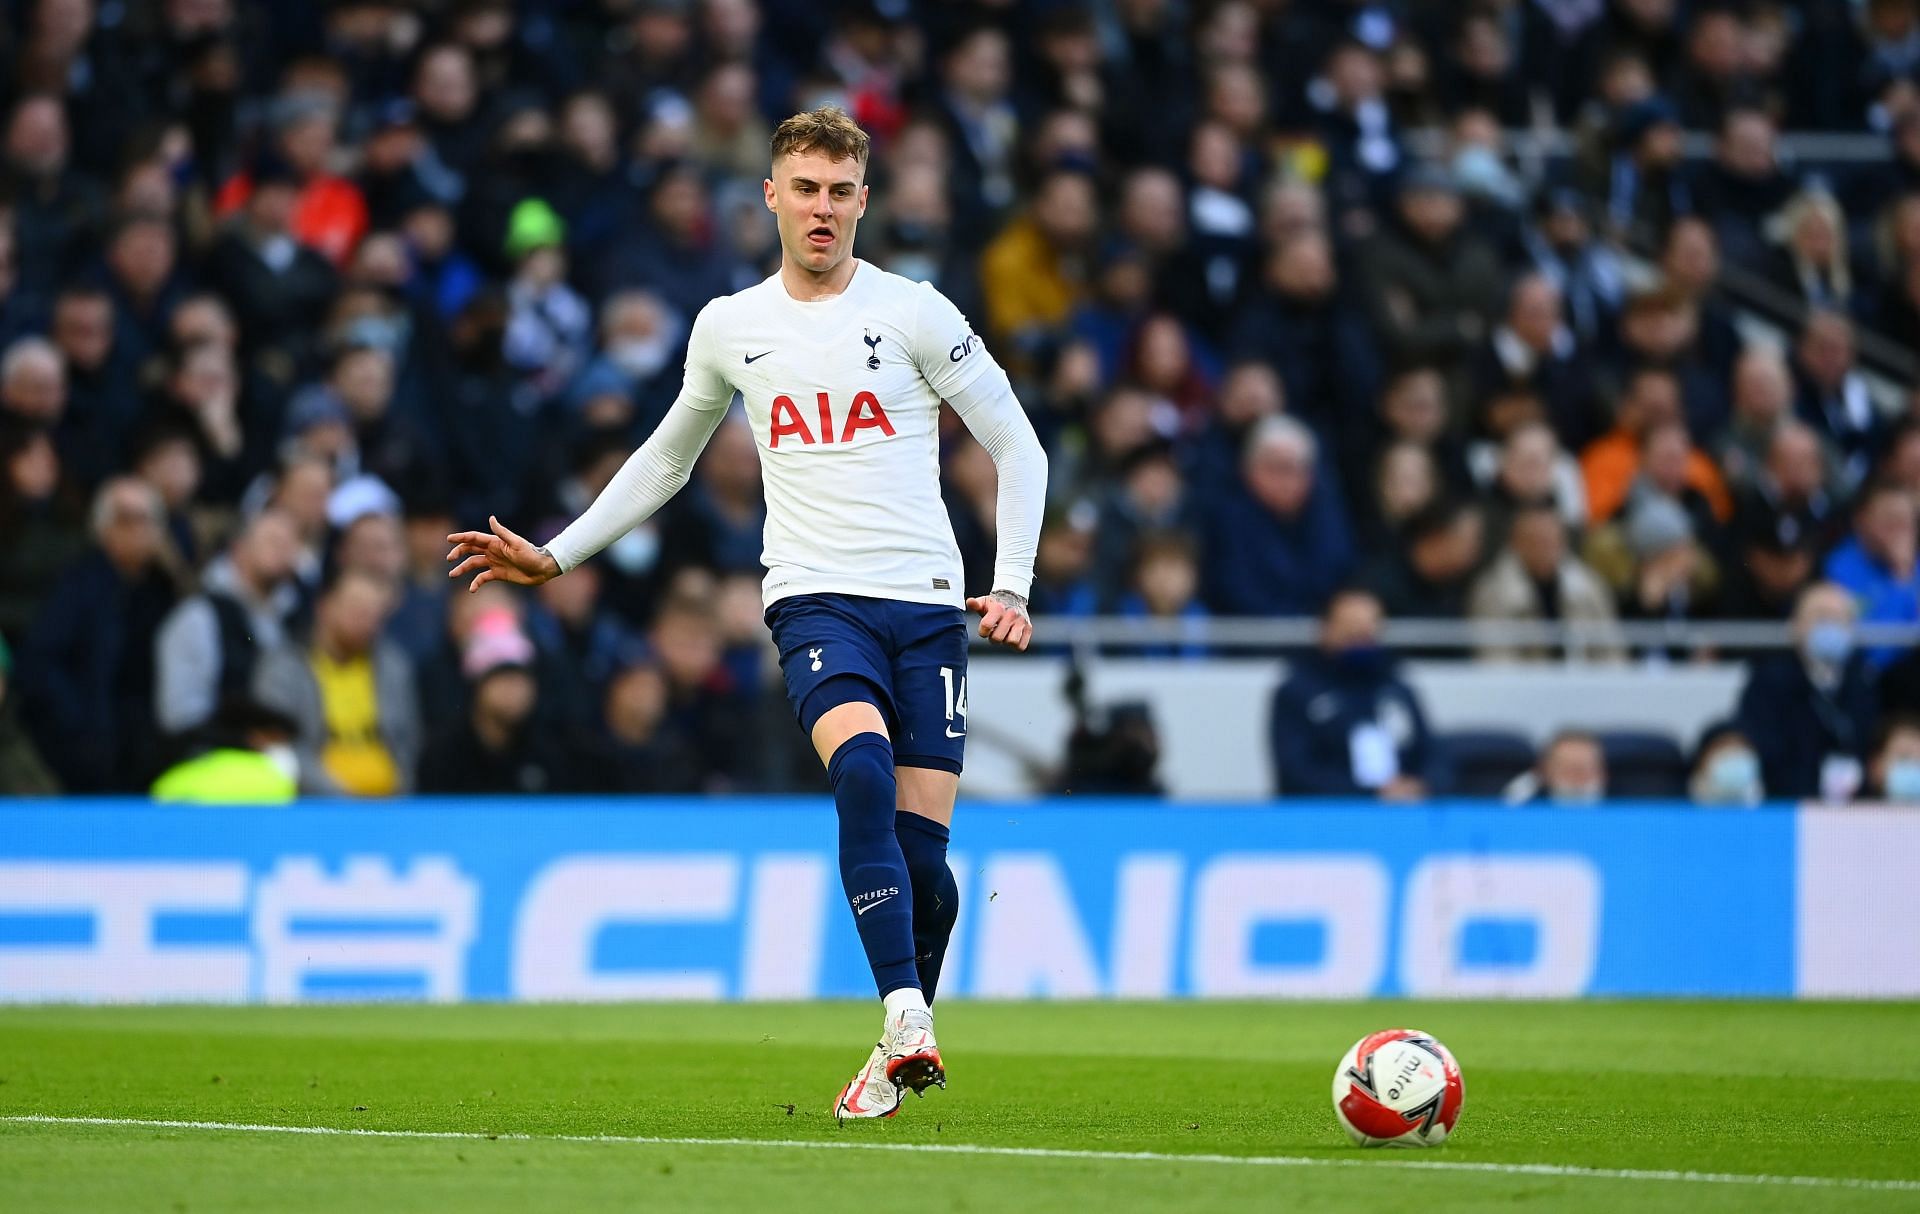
x: 1406, y: 481
x: 102, y: 397
x: 1876, y: 564
x: 1611, y: 463
x: 1586, y: 271
x: 210, y: 646
x: 501, y: 742
x: 1165, y: 585
x: 1303, y: 324
x: 679, y: 253
x: 1344, y: 724
x: 726, y: 503
x: 1655, y: 562
x: 1250, y: 392
x: 1812, y: 263
x: 549, y: 325
x: 1832, y: 396
x: 1415, y: 408
x: 1034, y: 274
x: 378, y: 440
x: 1646, y: 183
x: 1535, y: 579
x: 1063, y: 566
x: 1690, y: 267
x: 1894, y: 774
x: 1762, y: 398
x: 247, y: 758
x: 52, y: 203
x: 982, y: 128
x: 1667, y: 459
x: 1784, y: 522
x: 1660, y: 329
x: 585, y: 644
x: 1433, y: 284
x: 43, y: 518
x: 86, y: 667
x: 1533, y: 468
x: 169, y: 460
x: 1810, y: 712
x: 1151, y: 498
x: 1572, y: 773
x: 971, y: 491
x: 329, y: 213
x: 259, y: 265
x: 1743, y: 184
x: 142, y: 257
x: 33, y: 383
x: 1279, y: 543
x: 1726, y: 771
x: 639, y: 336
x: 350, y: 692
x: 448, y: 95
x: 1533, y: 350
x: 704, y: 704
x: 22, y: 773
x: 646, y: 754
x: 1427, y: 574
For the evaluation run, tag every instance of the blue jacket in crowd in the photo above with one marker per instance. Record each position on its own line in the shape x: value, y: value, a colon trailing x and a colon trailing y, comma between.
x: 1794, y: 726
x: 1316, y: 712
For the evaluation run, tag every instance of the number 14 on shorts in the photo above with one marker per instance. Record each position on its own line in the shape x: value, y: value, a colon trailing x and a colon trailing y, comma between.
x: 956, y: 703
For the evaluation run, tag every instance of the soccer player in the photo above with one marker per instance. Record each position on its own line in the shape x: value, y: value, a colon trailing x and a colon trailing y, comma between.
x: 842, y: 368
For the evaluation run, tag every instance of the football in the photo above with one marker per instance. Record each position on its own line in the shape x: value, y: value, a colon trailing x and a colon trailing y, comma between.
x: 1398, y: 1088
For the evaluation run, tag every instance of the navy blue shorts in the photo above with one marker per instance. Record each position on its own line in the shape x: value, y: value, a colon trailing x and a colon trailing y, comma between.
x: 909, y: 660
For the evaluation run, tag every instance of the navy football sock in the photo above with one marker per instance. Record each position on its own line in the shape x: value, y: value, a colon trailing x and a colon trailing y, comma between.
x: 936, y: 895
x: 872, y: 870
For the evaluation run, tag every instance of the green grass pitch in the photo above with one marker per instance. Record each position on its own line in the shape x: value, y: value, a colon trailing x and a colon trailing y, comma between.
x: 1750, y: 1089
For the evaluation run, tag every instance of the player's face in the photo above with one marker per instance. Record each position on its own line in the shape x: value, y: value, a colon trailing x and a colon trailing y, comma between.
x: 816, y: 202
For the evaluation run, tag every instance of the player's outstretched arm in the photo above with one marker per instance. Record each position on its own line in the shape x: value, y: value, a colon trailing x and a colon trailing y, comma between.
x: 499, y: 555
x: 1003, y: 618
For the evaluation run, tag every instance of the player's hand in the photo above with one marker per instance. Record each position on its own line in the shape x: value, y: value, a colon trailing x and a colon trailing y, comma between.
x: 500, y: 556
x: 1003, y: 618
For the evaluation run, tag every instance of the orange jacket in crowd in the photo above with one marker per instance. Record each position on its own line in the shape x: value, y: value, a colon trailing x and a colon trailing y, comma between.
x: 330, y: 216
x: 1610, y: 463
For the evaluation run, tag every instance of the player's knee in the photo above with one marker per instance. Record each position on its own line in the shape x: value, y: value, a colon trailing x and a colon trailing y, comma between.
x: 861, y: 772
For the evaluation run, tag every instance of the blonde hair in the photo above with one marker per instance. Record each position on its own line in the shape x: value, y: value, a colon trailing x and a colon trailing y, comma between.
x: 826, y: 129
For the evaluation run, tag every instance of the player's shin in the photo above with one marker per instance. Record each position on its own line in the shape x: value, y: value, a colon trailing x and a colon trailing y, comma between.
x: 872, y: 869
x: 936, y: 895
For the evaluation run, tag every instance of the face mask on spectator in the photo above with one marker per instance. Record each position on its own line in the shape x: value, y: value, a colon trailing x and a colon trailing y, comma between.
x: 1903, y: 780
x: 283, y: 757
x: 387, y: 333
x: 917, y: 266
x: 635, y: 552
x: 1479, y: 171
x: 641, y: 357
x: 1576, y: 794
x: 1363, y: 661
x: 1732, y: 777
x: 1830, y: 642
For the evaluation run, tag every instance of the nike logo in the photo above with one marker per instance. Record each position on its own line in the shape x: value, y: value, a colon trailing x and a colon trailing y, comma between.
x: 754, y: 358
x: 869, y: 906
x: 951, y: 734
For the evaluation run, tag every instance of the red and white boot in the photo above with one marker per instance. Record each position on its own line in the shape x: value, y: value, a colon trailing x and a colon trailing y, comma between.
x: 913, y: 1058
x: 870, y: 1093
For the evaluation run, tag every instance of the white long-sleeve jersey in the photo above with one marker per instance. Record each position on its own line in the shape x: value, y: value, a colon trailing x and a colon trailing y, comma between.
x: 843, y: 395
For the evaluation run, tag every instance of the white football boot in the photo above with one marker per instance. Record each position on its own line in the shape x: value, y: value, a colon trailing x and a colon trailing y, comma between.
x: 870, y: 1093
x: 913, y: 1059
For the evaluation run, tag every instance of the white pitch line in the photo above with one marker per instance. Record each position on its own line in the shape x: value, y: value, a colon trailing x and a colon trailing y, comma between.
x: 946, y: 1148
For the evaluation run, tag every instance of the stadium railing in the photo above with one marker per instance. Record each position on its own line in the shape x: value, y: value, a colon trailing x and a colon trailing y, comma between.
x: 1442, y: 637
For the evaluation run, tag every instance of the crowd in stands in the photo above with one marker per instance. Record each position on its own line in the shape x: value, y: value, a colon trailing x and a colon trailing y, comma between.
x: 290, y: 291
